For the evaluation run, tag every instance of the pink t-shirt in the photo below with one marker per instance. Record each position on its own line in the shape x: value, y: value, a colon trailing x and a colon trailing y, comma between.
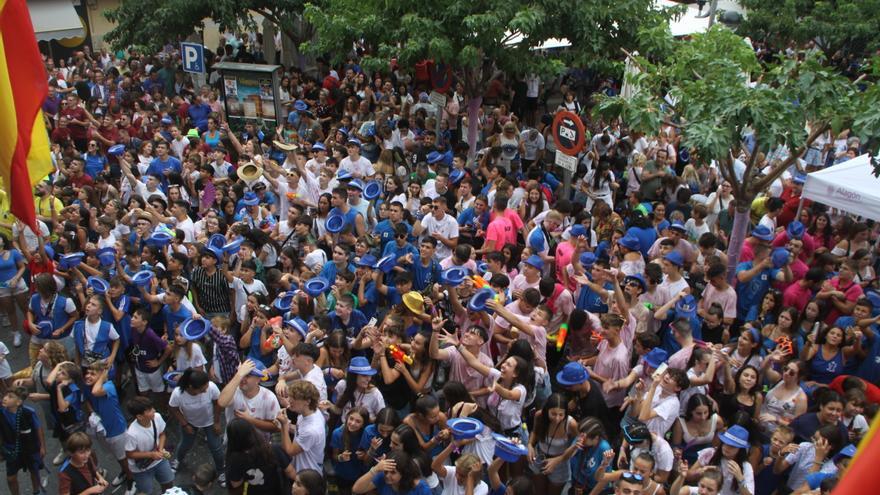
x: 726, y: 298
x: 796, y: 296
x: 680, y: 359
x: 520, y: 283
x: 852, y: 292
x: 613, y: 364
x: 563, y: 306
x: 502, y: 232
x: 460, y: 371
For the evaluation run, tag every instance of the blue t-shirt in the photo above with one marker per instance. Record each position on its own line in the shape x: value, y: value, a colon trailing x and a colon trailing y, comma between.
x: 585, y: 463
x: 385, y: 231
x: 108, y: 409
x: 174, y: 318
x: 424, y: 276
x: 94, y: 164
x: 356, y: 321
x: 368, y: 305
x: 352, y: 469
x: 869, y: 368
x: 750, y: 294
x: 371, y: 432
x: 383, y: 488
x: 646, y: 237
x: 588, y: 300
x: 329, y: 273
x: 158, y: 167
x: 9, y: 267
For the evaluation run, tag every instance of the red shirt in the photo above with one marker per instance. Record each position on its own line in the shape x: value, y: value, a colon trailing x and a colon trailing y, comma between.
x: 77, y: 131
x: 60, y: 134
x: 790, y: 206
x: 872, y: 392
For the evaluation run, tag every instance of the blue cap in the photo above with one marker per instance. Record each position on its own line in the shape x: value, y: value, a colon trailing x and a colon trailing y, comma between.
x: 795, y: 230
x: 535, y: 261
x: 356, y: 184
x: 678, y: 226
x: 587, y: 259
x: 319, y: 147
x: 360, y: 366
x: 259, y: 370
x: 353, y: 142
x: 434, y: 157
x: 763, y: 233
x: 577, y: 230
x: 250, y: 199
x: 735, y: 436
x: 848, y: 451
x: 675, y: 258
x: 630, y: 242
x: 572, y: 373
x: 686, y: 306
x: 655, y: 357
x: 367, y: 260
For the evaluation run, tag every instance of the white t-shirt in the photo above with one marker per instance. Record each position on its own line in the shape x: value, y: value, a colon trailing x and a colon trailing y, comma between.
x: 5, y: 369
x: 705, y: 455
x: 189, y: 230
x: 372, y: 400
x: 446, y: 226
x: 242, y: 290
x: 508, y: 412
x: 662, y: 452
x: 109, y: 241
x: 141, y: 439
x: 262, y: 406
x: 310, y: 435
x: 360, y: 168
x: 197, y: 409
x: 32, y: 242
x: 316, y: 377
x: 91, y: 333
x: 451, y: 486
x: 666, y: 408
x: 184, y: 362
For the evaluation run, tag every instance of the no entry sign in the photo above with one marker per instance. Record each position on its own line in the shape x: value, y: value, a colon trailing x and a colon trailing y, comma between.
x: 569, y: 132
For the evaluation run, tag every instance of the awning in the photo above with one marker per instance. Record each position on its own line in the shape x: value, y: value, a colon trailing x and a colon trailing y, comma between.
x: 849, y: 186
x: 55, y: 20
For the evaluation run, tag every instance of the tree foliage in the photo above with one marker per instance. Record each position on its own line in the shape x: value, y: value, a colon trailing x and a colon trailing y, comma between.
x: 153, y: 23
x: 851, y: 27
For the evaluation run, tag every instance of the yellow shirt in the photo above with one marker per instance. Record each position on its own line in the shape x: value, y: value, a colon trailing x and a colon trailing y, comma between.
x: 6, y: 216
x: 44, y: 207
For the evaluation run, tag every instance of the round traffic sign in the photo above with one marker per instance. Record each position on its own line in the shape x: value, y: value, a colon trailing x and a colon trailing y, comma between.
x: 441, y: 77
x: 568, y: 132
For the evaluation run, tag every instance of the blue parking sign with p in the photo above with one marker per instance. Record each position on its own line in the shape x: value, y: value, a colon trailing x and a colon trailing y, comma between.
x: 193, y: 55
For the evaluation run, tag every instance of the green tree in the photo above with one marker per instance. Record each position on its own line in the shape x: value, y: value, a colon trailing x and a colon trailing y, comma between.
x: 153, y: 23
x: 720, y: 93
x: 478, y: 38
x: 851, y: 27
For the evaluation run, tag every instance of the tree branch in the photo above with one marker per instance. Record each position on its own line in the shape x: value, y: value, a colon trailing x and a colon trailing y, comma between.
x: 777, y: 170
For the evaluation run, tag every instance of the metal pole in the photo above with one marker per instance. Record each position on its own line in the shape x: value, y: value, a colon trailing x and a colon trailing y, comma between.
x: 566, y: 184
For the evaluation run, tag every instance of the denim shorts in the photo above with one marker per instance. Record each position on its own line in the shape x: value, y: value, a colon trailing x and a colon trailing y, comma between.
x: 161, y: 472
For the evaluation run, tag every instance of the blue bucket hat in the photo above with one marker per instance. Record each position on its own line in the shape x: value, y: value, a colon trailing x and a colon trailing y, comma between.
x: 535, y: 261
x: 456, y: 176
x: 343, y: 174
x: 572, y: 373
x: 319, y: 146
x: 587, y: 259
x: 300, y: 106
x: 316, y: 286
x: 299, y: 325
x: 434, y: 157
x: 194, y: 329
x: 795, y: 230
x: 368, y: 261
x: 372, y: 190
x: 334, y: 223
x: 353, y: 142
x: 107, y: 256
x: 763, y: 233
x: 686, y: 307
x: 360, y: 366
x: 675, y: 258
x: 452, y: 276
x: 630, y: 242
x: 779, y: 257
x: 735, y: 436
x: 250, y: 199
x: 99, y: 285
x: 655, y: 357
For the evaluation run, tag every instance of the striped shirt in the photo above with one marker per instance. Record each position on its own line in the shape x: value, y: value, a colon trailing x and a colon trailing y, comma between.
x: 212, y: 291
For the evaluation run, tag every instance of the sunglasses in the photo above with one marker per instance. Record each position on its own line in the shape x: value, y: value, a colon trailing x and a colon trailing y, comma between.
x: 633, y: 476
x: 401, y: 236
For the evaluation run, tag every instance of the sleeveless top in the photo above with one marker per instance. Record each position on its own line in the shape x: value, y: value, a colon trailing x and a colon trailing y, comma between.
x: 694, y: 444
x: 212, y: 141
x: 783, y: 408
x: 555, y: 446
x: 824, y: 370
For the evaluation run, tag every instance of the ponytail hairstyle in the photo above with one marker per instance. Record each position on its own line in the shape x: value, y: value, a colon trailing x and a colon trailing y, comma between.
x: 192, y: 379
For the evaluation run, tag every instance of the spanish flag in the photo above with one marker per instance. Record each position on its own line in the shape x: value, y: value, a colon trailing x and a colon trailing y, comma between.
x: 862, y: 472
x: 24, y: 143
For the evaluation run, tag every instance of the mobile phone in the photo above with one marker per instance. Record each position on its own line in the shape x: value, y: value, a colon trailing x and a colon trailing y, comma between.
x: 372, y: 322
x: 659, y: 371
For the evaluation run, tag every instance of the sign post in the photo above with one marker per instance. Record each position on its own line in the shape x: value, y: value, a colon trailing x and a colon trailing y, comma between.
x: 439, y: 101
x: 193, y: 57
x: 569, y: 134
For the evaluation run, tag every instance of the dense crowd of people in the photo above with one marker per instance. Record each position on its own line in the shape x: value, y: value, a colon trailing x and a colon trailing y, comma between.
x: 347, y: 303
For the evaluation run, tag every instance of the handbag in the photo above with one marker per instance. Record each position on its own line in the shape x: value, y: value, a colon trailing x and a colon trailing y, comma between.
x: 143, y: 464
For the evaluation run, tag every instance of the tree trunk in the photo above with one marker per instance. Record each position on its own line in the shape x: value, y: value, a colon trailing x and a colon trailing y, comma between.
x: 738, y: 235
x: 473, y: 115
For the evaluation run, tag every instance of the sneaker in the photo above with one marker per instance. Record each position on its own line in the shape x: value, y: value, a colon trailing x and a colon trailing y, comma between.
x: 58, y: 459
x: 16, y: 339
x: 175, y: 464
x: 130, y: 489
x: 118, y: 479
x: 44, y: 479
x: 221, y: 480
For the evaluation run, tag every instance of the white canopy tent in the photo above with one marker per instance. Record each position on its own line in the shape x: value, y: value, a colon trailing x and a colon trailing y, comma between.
x: 849, y: 186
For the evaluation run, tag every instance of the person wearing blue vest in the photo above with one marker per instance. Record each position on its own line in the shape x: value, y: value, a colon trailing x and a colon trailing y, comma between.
x: 339, y: 201
x: 95, y: 339
x: 104, y: 399
x: 174, y: 311
x: 117, y: 310
x: 50, y: 316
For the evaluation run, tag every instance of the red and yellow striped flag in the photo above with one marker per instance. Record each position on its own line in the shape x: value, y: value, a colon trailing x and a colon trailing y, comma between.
x: 24, y: 144
x: 862, y: 472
